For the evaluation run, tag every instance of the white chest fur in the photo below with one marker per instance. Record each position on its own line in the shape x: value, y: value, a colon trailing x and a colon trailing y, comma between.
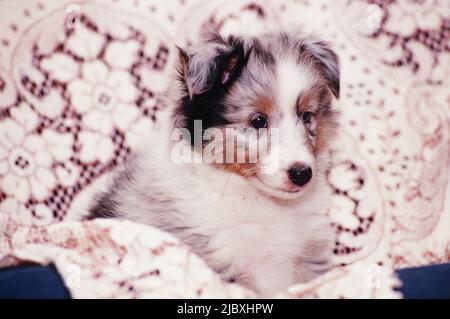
x: 240, y: 232
x: 267, y: 244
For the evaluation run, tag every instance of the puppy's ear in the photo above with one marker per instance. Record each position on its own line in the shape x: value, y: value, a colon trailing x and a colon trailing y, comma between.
x: 215, y: 61
x: 328, y: 63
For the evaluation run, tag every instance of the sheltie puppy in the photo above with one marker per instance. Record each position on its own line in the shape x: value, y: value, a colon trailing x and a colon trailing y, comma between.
x: 238, y: 172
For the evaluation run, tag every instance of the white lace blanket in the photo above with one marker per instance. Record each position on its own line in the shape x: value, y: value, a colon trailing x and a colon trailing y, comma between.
x: 81, y: 81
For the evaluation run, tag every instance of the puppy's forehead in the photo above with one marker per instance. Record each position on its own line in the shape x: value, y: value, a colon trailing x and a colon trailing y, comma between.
x: 276, y: 74
x: 292, y: 78
x: 274, y: 77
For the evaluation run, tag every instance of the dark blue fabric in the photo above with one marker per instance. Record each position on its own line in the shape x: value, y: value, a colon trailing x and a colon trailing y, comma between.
x: 45, y: 282
x: 426, y: 282
x: 37, y: 282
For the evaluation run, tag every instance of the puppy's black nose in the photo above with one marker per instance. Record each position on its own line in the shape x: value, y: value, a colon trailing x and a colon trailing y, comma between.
x: 299, y: 174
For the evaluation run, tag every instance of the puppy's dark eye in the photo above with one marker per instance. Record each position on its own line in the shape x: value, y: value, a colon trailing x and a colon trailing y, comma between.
x: 259, y: 121
x: 306, y: 117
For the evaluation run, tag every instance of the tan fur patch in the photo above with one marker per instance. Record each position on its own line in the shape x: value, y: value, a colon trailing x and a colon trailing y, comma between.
x: 246, y: 170
x: 264, y: 104
x: 246, y: 166
x: 324, y: 121
x: 326, y: 127
x: 309, y: 98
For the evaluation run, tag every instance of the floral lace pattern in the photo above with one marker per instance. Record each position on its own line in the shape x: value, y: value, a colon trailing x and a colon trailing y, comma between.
x: 82, y: 84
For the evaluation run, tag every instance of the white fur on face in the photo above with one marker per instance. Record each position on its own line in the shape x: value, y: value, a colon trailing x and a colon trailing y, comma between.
x: 292, y: 78
x: 292, y: 147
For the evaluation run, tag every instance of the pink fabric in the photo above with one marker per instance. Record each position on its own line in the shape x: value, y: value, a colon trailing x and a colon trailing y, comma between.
x: 80, y: 84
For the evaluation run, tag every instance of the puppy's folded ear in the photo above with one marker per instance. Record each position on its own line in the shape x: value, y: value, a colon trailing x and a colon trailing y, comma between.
x: 327, y: 61
x: 214, y: 62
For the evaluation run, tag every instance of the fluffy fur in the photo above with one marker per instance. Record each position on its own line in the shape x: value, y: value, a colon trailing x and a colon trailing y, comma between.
x: 261, y: 230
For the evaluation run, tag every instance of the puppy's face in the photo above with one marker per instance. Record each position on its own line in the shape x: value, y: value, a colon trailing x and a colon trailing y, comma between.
x: 264, y: 105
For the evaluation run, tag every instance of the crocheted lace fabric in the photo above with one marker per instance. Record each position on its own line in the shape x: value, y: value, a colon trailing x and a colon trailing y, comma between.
x: 80, y: 83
